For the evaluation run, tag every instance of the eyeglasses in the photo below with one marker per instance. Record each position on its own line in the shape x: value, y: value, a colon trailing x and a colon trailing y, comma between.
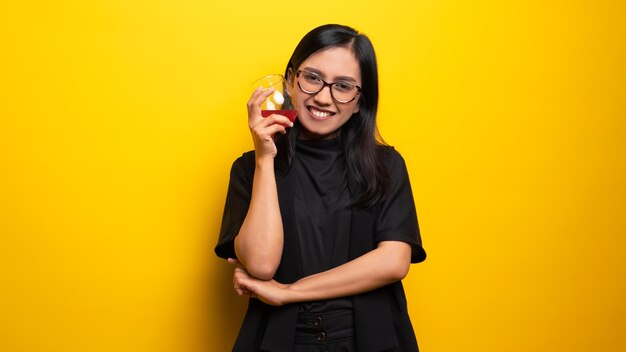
x: 342, y: 92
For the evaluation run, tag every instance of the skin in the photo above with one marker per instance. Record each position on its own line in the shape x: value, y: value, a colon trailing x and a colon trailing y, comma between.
x: 259, y: 244
x: 330, y: 64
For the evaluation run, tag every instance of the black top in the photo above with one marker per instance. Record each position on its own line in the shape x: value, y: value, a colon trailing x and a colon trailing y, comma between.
x: 322, y: 209
x: 381, y: 316
x: 396, y: 219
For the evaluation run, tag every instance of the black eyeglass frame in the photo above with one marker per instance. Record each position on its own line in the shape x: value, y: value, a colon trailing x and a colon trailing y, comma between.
x: 324, y: 85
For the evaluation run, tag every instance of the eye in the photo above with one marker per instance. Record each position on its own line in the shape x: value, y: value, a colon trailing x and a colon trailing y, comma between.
x: 311, y: 77
x: 343, y: 86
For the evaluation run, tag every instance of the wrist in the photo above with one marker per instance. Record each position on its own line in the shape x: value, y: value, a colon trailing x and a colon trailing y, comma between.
x: 265, y: 161
x: 289, y: 295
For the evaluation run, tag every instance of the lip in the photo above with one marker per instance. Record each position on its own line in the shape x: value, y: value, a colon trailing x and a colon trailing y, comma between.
x: 315, y: 117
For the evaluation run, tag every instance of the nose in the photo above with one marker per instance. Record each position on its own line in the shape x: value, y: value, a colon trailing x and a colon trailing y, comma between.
x: 324, y: 97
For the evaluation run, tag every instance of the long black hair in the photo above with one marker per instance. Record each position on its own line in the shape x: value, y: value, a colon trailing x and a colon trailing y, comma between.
x: 359, y: 136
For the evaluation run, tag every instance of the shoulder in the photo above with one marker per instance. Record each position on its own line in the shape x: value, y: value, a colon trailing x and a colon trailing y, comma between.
x: 391, y: 158
x: 243, y: 166
x: 245, y: 160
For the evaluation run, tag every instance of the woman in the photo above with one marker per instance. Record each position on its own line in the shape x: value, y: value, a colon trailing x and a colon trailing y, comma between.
x: 319, y: 220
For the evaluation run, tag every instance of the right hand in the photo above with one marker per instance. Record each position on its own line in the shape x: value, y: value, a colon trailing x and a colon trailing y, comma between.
x: 268, y: 291
x: 262, y: 128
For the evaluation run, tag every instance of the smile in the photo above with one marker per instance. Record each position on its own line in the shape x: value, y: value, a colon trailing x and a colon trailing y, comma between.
x: 320, y: 114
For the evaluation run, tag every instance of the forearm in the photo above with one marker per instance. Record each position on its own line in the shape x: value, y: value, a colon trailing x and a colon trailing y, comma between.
x: 386, y: 264
x: 259, y: 244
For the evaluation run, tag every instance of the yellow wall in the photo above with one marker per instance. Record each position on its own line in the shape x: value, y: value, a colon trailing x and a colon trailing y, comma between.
x: 119, y: 121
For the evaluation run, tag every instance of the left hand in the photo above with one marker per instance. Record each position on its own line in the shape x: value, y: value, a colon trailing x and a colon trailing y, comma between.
x: 270, y: 292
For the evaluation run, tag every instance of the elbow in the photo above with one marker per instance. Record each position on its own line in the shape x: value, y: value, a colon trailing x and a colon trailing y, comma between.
x: 262, y: 268
x: 399, y: 270
x: 262, y: 272
x: 397, y: 259
x: 257, y: 263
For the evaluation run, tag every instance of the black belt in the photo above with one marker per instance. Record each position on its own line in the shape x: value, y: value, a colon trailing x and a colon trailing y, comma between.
x: 324, y: 327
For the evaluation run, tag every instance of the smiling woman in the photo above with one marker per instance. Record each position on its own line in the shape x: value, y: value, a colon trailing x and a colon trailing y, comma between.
x: 321, y: 113
x: 320, y: 222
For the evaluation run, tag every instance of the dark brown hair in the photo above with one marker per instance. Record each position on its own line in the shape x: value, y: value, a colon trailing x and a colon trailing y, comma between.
x: 359, y: 136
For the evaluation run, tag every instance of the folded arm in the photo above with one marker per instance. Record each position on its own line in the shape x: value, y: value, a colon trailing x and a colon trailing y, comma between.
x: 388, y: 263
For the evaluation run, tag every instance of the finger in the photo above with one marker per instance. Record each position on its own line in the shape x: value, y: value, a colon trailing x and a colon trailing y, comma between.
x: 239, y: 270
x: 260, y: 98
x: 242, y: 288
x: 254, y: 95
x: 235, y: 262
x: 281, y: 119
x: 274, y: 119
x: 261, y: 128
x: 242, y: 291
x: 254, y: 111
x: 257, y: 99
x: 269, y: 132
x: 241, y: 279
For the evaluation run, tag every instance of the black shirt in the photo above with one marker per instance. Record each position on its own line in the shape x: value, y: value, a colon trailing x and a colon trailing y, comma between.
x: 322, y: 208
x: 381, y: 315
x: 396, y: 219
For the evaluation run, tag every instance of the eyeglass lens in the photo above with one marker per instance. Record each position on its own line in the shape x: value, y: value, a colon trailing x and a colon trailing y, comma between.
x: 311, y: 83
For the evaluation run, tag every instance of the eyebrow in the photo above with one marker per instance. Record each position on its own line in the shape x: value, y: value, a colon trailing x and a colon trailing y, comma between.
x: 339, y: 78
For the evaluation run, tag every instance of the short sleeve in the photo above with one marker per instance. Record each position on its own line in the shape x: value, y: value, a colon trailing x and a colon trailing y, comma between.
x: 236, y: 207
x: 397, y: 218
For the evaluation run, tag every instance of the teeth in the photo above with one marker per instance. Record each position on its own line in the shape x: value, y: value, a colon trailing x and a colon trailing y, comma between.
x: 320, y: 114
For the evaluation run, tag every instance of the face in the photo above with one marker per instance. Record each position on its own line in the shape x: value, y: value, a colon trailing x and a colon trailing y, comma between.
x: 319, y: 114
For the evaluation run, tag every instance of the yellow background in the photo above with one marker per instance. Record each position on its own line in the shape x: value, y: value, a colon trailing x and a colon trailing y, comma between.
x: 119, y: 121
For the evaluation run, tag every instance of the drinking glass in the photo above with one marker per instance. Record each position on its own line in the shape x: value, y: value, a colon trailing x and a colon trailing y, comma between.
x: 274, y: 102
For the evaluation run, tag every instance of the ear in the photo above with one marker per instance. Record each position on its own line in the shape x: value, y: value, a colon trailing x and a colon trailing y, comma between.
x: 289, y: 81
x: 357, y: 107
x: 291, y: 77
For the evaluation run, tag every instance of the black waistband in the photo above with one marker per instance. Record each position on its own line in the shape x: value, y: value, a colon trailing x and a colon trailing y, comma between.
x: 324, y: 327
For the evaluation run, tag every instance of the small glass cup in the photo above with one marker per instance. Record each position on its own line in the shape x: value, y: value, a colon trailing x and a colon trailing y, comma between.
x: 274, y: 103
